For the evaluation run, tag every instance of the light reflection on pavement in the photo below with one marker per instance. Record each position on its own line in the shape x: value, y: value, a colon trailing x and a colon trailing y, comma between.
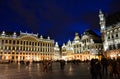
x: 35, y: 71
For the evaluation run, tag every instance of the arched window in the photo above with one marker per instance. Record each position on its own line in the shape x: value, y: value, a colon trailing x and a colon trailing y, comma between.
x: 116, y: 35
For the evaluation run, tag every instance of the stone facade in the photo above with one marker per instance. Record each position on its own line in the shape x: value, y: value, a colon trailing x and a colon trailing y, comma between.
x: 110, y: 30
x: 26, y: 47
x: 84, y: 47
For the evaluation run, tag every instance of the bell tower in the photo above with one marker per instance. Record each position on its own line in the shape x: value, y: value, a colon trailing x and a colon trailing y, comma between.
x: 102, y: 21
x: 103, y: 29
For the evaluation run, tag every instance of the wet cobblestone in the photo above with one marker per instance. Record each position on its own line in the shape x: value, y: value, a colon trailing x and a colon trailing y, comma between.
x: 34, y: 71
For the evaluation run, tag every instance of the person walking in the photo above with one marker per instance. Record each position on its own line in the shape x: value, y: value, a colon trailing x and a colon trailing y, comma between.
x: 104, y: 63
x: 92, y: 69
x: 62, y: 64
x: 98, y: 69
x: 50, y: 65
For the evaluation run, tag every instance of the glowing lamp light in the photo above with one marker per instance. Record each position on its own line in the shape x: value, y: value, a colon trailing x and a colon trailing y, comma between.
x: 28, y: 57
x: 118, y: 54
x: 6, y: 57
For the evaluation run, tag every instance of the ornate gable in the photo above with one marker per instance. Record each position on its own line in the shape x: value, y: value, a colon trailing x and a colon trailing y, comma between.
x: 29, y: 38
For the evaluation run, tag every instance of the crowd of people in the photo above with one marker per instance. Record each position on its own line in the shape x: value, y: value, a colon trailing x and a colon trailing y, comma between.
x: 47, y: 65
x: 105, y: 66
x: 98, y: 68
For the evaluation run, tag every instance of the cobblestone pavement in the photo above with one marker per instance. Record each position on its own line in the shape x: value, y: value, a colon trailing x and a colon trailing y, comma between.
x: 35, y: 71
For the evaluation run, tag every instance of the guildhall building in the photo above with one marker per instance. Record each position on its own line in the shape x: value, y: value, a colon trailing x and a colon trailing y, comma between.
x: 110, y: 31
x: 16, y: 47
x: 84, y: 47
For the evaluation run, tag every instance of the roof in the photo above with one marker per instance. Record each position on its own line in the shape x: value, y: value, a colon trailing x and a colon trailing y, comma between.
x: 90, y: 32
x: 113, y: 19
x: 97, y: 38
x: 10, y: 34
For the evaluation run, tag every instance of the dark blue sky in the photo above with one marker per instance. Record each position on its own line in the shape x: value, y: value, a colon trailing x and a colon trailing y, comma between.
x: 59, y: 19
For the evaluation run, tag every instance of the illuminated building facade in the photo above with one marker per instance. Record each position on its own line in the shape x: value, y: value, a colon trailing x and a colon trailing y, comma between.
x: 85, y: 48
x: 26, y: 47
x: 56, y: 52
x: 110, y: 30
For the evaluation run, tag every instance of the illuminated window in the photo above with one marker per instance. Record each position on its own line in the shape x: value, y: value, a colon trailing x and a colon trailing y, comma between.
x: 17, y: 48
x: 108, y: 37
x: 38, y: 49
x: 13, y: 48
x: 32, y: 43
x: 13, y: 41
x: 88, y: 47
x: 116, y: 35
x: 2, y: 42
x: 21, y: 42
x: 10, y: 41
x: 35, y: 43
x: 17, y: 42
x: 5, y: 47
x: 112, y: 36
x: 12, y: 57
x: 16, y: 57
x: 23, y: 48
x: 9, y: 48
x: 114, y: 46
x: 24, y: 42
x: 118, y: 45
x: 32, y: 48
x: 6, y: 41
x: 26, y: 48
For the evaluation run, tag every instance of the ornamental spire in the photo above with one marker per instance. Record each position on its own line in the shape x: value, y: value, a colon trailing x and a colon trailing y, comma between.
x: 76, y: 37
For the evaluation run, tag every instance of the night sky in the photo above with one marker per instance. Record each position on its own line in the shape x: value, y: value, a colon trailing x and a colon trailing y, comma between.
x: 59, y: 19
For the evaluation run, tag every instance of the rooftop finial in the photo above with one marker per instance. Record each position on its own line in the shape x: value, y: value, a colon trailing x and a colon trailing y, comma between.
x: 3, y: 33
x: 56, y: 44
x: 76, y: 37
x: 76, y: 34
x: 48, y: 38
x: 100, y: 11
x: 41, y: 37
x: 14, y: 34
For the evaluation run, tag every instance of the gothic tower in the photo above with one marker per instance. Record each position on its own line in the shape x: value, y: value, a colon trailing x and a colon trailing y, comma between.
x: 102, y: 24
x: 102, y: 21
x: 103, y: 29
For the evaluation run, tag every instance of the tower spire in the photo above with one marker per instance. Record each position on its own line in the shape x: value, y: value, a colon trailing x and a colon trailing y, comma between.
x: 100, y: 12
x: 102, y: 20
x: 101, y: 15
